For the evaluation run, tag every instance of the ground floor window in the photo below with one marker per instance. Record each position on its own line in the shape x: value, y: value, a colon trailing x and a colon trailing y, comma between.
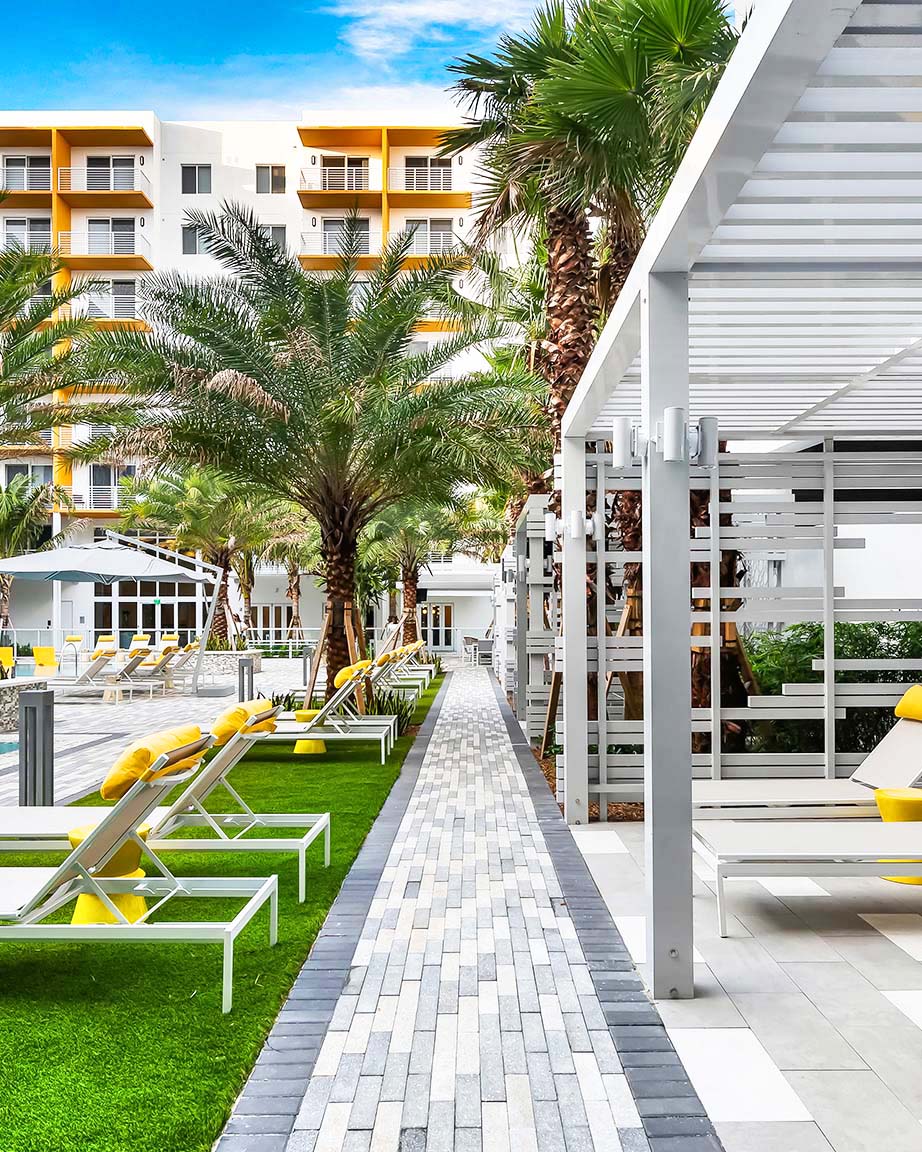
x: 437, y: 624
x: 271, y: 622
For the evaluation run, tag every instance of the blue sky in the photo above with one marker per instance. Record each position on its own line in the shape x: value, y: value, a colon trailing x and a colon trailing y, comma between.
x: 201, y: 59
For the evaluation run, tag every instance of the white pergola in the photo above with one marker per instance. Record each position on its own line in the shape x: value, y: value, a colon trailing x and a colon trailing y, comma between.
x: 779, y: 290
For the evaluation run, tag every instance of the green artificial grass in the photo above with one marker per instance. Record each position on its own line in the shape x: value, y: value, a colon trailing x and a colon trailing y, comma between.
x: 123, y: 1048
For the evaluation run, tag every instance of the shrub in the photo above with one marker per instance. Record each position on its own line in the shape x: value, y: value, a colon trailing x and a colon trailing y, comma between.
x: 393, y: 704
x: 786, y: 657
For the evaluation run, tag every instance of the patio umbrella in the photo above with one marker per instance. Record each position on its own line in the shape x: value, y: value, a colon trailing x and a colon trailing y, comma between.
x: 104, y: 562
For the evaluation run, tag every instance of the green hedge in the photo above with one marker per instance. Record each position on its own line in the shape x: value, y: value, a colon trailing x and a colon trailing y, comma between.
x: 786, y: 658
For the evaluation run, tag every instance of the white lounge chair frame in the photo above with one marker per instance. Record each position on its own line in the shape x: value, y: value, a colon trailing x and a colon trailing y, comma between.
x: 337, y: 720
x: 45, y: 829
x: 805, y: 848
x: 44, y: 891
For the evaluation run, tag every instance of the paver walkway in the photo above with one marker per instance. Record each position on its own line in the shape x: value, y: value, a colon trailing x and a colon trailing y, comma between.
x: 470, y: 1018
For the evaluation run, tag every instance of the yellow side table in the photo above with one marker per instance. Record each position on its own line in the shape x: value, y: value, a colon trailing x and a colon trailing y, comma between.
x: 89, y: 909
x: 900, y: 805
x: 308, y: 747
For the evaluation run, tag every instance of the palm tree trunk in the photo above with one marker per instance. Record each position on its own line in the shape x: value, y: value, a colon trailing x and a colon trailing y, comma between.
x: 410, y: 577
x: 294, y: 595
x: 219, y: 627
x: 392, y: 605
x: 339, y: 550
x: 246, y: 597
x: 572, y: 308
x: 6, y: 588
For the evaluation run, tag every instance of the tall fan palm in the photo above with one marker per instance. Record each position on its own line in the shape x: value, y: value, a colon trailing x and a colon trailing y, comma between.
x: 25, y: 513
x: 307, y: 387
x: 584, y: 116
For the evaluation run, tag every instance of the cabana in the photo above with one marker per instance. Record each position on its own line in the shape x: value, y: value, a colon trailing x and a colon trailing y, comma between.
x: 777, y: 297
x: 117, y: 558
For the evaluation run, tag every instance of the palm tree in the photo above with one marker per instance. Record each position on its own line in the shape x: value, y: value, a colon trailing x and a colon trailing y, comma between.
x: 25, y: 513
x: 204, y: 512
x: 587, y: 117
x: 306, y: 386
x: 39, y: 344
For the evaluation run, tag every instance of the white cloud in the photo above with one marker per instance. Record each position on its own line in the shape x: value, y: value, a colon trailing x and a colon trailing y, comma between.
x: 378, y: 29
x: 386, y: 104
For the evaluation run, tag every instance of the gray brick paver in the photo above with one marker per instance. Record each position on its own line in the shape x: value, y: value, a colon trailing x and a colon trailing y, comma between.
x: 470, y: 923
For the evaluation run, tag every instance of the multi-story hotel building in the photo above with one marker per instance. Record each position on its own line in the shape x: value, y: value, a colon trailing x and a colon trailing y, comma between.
x: 109, y: 192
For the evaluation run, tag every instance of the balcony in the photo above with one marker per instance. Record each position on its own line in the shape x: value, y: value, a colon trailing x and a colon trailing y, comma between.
x: 104, y: 250
x: 409, y: 187
x: 338, y: 188
x: 26, y: 187
x: 322, y: 249
x: 115, y: 187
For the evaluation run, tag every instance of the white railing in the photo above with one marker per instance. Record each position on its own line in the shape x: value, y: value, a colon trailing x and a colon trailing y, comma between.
x: 103, y: 180
x: 439, y: 557
x: 26, y: 179
x: 102, y: 244
x: 335, y: 179
x: 103, y: 496
x: 30, y: 242
x: 419, y: 179
x: 108, y: 306
x: 426, y: 243
x: 333, y: 243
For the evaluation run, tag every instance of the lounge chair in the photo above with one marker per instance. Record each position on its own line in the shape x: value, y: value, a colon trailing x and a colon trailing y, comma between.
x: 337, y: 720
x: 105, y: 643
x: 155, y: 668
x: 113, y: 684
x: 896, y: 762
x: 46, y: 663
x: 28, y: 829
x: 798, y: 847
x: 92, y: 674
x: 30, y: 897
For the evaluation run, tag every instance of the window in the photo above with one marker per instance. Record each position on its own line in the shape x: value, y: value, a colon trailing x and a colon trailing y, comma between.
x: 109, y: 173
x: 427, y: 174
x: 30, y: 233
x: 32, y: 173
x: 193, y: 244
x: 341, y: 173
x: 277, y: 235
x: 38, y: 473
x: 196, y: 178
x: 115, y: 301
x: 333, y: 230
x: 430, y: 236
x: 270, y: 178
x: 111, y: 237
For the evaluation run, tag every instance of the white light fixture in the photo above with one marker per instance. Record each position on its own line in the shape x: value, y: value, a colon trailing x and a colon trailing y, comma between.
x: 675, y: 435
x: 708, y: 442
x: 622, y: 438
x: 550, y: 527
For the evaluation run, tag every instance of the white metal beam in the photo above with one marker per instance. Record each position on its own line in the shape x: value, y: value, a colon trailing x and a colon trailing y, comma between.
x: 575, y: 638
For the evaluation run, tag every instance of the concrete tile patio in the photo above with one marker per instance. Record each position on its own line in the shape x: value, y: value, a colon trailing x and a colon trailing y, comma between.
x: 825, y: 978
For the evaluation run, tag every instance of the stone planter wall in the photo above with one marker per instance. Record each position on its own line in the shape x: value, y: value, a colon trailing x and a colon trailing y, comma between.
x: 225, y: 664
x: 9, y: 700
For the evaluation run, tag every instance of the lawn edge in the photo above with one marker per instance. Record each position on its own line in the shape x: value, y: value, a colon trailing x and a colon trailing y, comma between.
x: 324, y: 973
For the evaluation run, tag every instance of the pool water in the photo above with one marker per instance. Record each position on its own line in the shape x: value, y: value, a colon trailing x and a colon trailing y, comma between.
x: 8, y: 746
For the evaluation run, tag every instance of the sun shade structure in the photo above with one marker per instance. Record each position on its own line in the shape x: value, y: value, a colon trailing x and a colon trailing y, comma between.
x: 779, y: 290
x: 105, y: 562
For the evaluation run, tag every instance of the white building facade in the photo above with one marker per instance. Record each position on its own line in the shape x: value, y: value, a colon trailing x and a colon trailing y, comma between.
x: 110, y: 191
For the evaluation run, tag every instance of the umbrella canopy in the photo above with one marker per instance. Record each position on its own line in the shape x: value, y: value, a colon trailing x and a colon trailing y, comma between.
x: 104, y: 562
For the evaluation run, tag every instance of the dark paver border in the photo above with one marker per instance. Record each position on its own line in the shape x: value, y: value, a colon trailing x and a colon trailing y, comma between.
x: 673, y: 1117
x: 265, y: 1111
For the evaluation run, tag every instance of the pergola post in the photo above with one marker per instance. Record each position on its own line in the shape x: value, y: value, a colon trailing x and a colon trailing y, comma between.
x: 666, y: 643
x: 575, y: 638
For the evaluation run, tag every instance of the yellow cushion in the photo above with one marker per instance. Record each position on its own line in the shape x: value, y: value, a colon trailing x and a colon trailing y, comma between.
x: 232, y: 720
x: 910, y: 707
x: 44, y: 657
x: 343, y: 675
x: 134, y: 762
x: 6, y: 657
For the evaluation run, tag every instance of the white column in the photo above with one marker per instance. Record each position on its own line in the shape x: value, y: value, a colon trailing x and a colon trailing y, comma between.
x: 666, y: 645
x: 829, y: 609
x: 575, y: 640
